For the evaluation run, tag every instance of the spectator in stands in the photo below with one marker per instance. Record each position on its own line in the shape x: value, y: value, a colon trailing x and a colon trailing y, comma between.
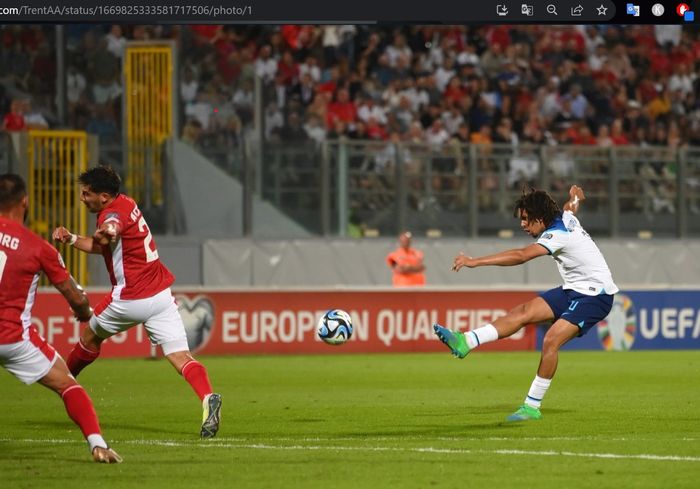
x: 639, y: 75
x: 201, y: 109
x: 75, y: 88
x: 310, y: 67
x: 304, y: 91
x: 436, y: 136
x: 243, y: 101
x: 106, y: 91
x: 406, y: 263
x: 292, y: 131
x: 265, y: 65
x: 315, y: 130
x: 116, y: 43
x: 288, y: 69
x: 523, y: 168
x: 14, y: 120
x: 189, y: 86
x: 191, y: 132
x: 367, y: 109
x: 342, y: 109
x: 274, y: 121
x: 33, y: 119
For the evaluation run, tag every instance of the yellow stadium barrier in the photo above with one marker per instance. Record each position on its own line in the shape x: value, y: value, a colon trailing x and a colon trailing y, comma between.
x: 148, y: 80
x: 55, y: 159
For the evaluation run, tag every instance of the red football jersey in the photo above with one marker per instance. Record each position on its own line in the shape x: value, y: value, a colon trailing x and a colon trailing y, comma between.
x: 23, y: 256
x: 132, y: 261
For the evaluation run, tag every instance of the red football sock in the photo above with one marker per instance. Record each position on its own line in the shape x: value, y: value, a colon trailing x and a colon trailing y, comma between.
x: 80, y: 409
x: 196, y: 375
x: 80, y: 357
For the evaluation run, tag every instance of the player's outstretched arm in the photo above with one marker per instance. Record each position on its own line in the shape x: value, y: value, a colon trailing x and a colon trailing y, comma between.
x: 576, y: 196
x: 76, y: 297
x: 506, y: 258
x: 83, y: 243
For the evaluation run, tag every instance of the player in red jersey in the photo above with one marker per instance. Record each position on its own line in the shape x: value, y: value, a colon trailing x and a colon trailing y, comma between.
x: 140, y: 287
x: 23, y: 352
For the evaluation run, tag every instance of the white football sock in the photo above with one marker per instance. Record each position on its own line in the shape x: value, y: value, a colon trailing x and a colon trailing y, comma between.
x: 96, y: 441
x: 537, y: 391
x: 479, y: 336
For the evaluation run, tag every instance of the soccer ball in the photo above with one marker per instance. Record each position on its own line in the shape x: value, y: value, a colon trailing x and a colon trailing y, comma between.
x: 335, y: 327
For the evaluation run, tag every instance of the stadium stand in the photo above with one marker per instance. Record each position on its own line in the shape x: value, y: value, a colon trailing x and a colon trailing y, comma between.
x: 462, y: 110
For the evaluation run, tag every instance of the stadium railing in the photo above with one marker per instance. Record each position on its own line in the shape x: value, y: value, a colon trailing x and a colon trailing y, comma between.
x: 460, y: 189
x: 466, y: 189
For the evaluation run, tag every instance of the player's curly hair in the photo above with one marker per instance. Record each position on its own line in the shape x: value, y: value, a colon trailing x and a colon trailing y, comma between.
x: 12, y: 190
x: 538, y: 204
x: 101, y: 179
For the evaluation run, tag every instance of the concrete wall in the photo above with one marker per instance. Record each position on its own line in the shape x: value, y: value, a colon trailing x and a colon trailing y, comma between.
x: 360, y: 263
x: 212, y: 201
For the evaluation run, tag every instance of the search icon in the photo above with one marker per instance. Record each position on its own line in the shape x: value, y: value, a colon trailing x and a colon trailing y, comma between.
x: 552, y: 9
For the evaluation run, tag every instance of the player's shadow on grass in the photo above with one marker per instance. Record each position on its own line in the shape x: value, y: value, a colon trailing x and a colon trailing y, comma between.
x: 488, y: 411
x: 113, y: 426
x: 40, y: 455
x: 427, y: 431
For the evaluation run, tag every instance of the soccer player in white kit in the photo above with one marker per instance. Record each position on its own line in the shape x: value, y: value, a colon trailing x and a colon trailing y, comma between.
x: 585, y: 298
x: 23, y: 352
x: 140, y: 287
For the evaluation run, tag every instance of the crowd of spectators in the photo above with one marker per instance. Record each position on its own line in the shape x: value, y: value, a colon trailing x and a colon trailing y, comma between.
x: 598, y: 86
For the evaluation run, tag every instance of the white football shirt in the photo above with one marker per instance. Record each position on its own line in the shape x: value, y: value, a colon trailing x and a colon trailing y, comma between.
x: 580, y: 262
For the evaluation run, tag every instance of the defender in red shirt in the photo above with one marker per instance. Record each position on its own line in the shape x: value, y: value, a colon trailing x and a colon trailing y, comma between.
x: 23, y: 352
x: 140, y: 287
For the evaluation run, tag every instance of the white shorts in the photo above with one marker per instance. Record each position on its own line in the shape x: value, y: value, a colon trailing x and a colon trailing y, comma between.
x: 158, y: 314
x: 30, y: 359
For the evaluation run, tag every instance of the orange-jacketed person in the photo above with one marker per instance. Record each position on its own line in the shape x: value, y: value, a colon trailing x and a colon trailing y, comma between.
x: 406, y: 263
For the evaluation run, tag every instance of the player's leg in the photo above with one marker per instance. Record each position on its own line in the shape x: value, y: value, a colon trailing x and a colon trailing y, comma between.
x: 85, y: 351
x: 35, y: 360
x: 191, y: 370
x: 196, y: 375
x: 165, y: 328
x: 576, y: 319
x: 105, y: 322
x: 534, y: 311
x: 558, y: 334
x: 80, y: 409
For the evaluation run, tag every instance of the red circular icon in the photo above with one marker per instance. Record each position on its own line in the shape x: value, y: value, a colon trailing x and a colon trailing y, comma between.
x: 682, y: 8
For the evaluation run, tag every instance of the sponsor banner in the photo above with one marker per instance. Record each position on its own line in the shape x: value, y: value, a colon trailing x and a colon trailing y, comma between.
x: 254, y: 322
x: 645, y: 320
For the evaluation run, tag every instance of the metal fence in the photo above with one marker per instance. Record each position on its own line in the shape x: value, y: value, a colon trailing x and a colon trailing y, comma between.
x: 54, y: 161
x: 148, y: 73
x: 469, y: 190
x: 338, y: 187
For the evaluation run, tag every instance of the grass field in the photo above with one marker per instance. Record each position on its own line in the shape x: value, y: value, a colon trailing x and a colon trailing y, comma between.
x: 622, y: 420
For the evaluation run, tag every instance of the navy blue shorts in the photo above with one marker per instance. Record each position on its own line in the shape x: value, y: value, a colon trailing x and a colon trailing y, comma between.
x: 585, y: 311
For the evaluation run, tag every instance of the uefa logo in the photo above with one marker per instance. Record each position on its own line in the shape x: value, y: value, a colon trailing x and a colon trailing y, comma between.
x: 617, y: 331
x: 198, y: 317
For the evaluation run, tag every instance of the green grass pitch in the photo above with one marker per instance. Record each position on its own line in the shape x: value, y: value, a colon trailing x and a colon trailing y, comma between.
x: 618, y: 420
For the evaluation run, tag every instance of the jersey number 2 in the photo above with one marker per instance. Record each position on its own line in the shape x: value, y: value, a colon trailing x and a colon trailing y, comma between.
x: 151, y: 255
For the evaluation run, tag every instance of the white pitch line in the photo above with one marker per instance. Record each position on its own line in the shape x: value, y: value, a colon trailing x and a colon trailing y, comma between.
x: 457, y: 438
x: 448, y: 451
